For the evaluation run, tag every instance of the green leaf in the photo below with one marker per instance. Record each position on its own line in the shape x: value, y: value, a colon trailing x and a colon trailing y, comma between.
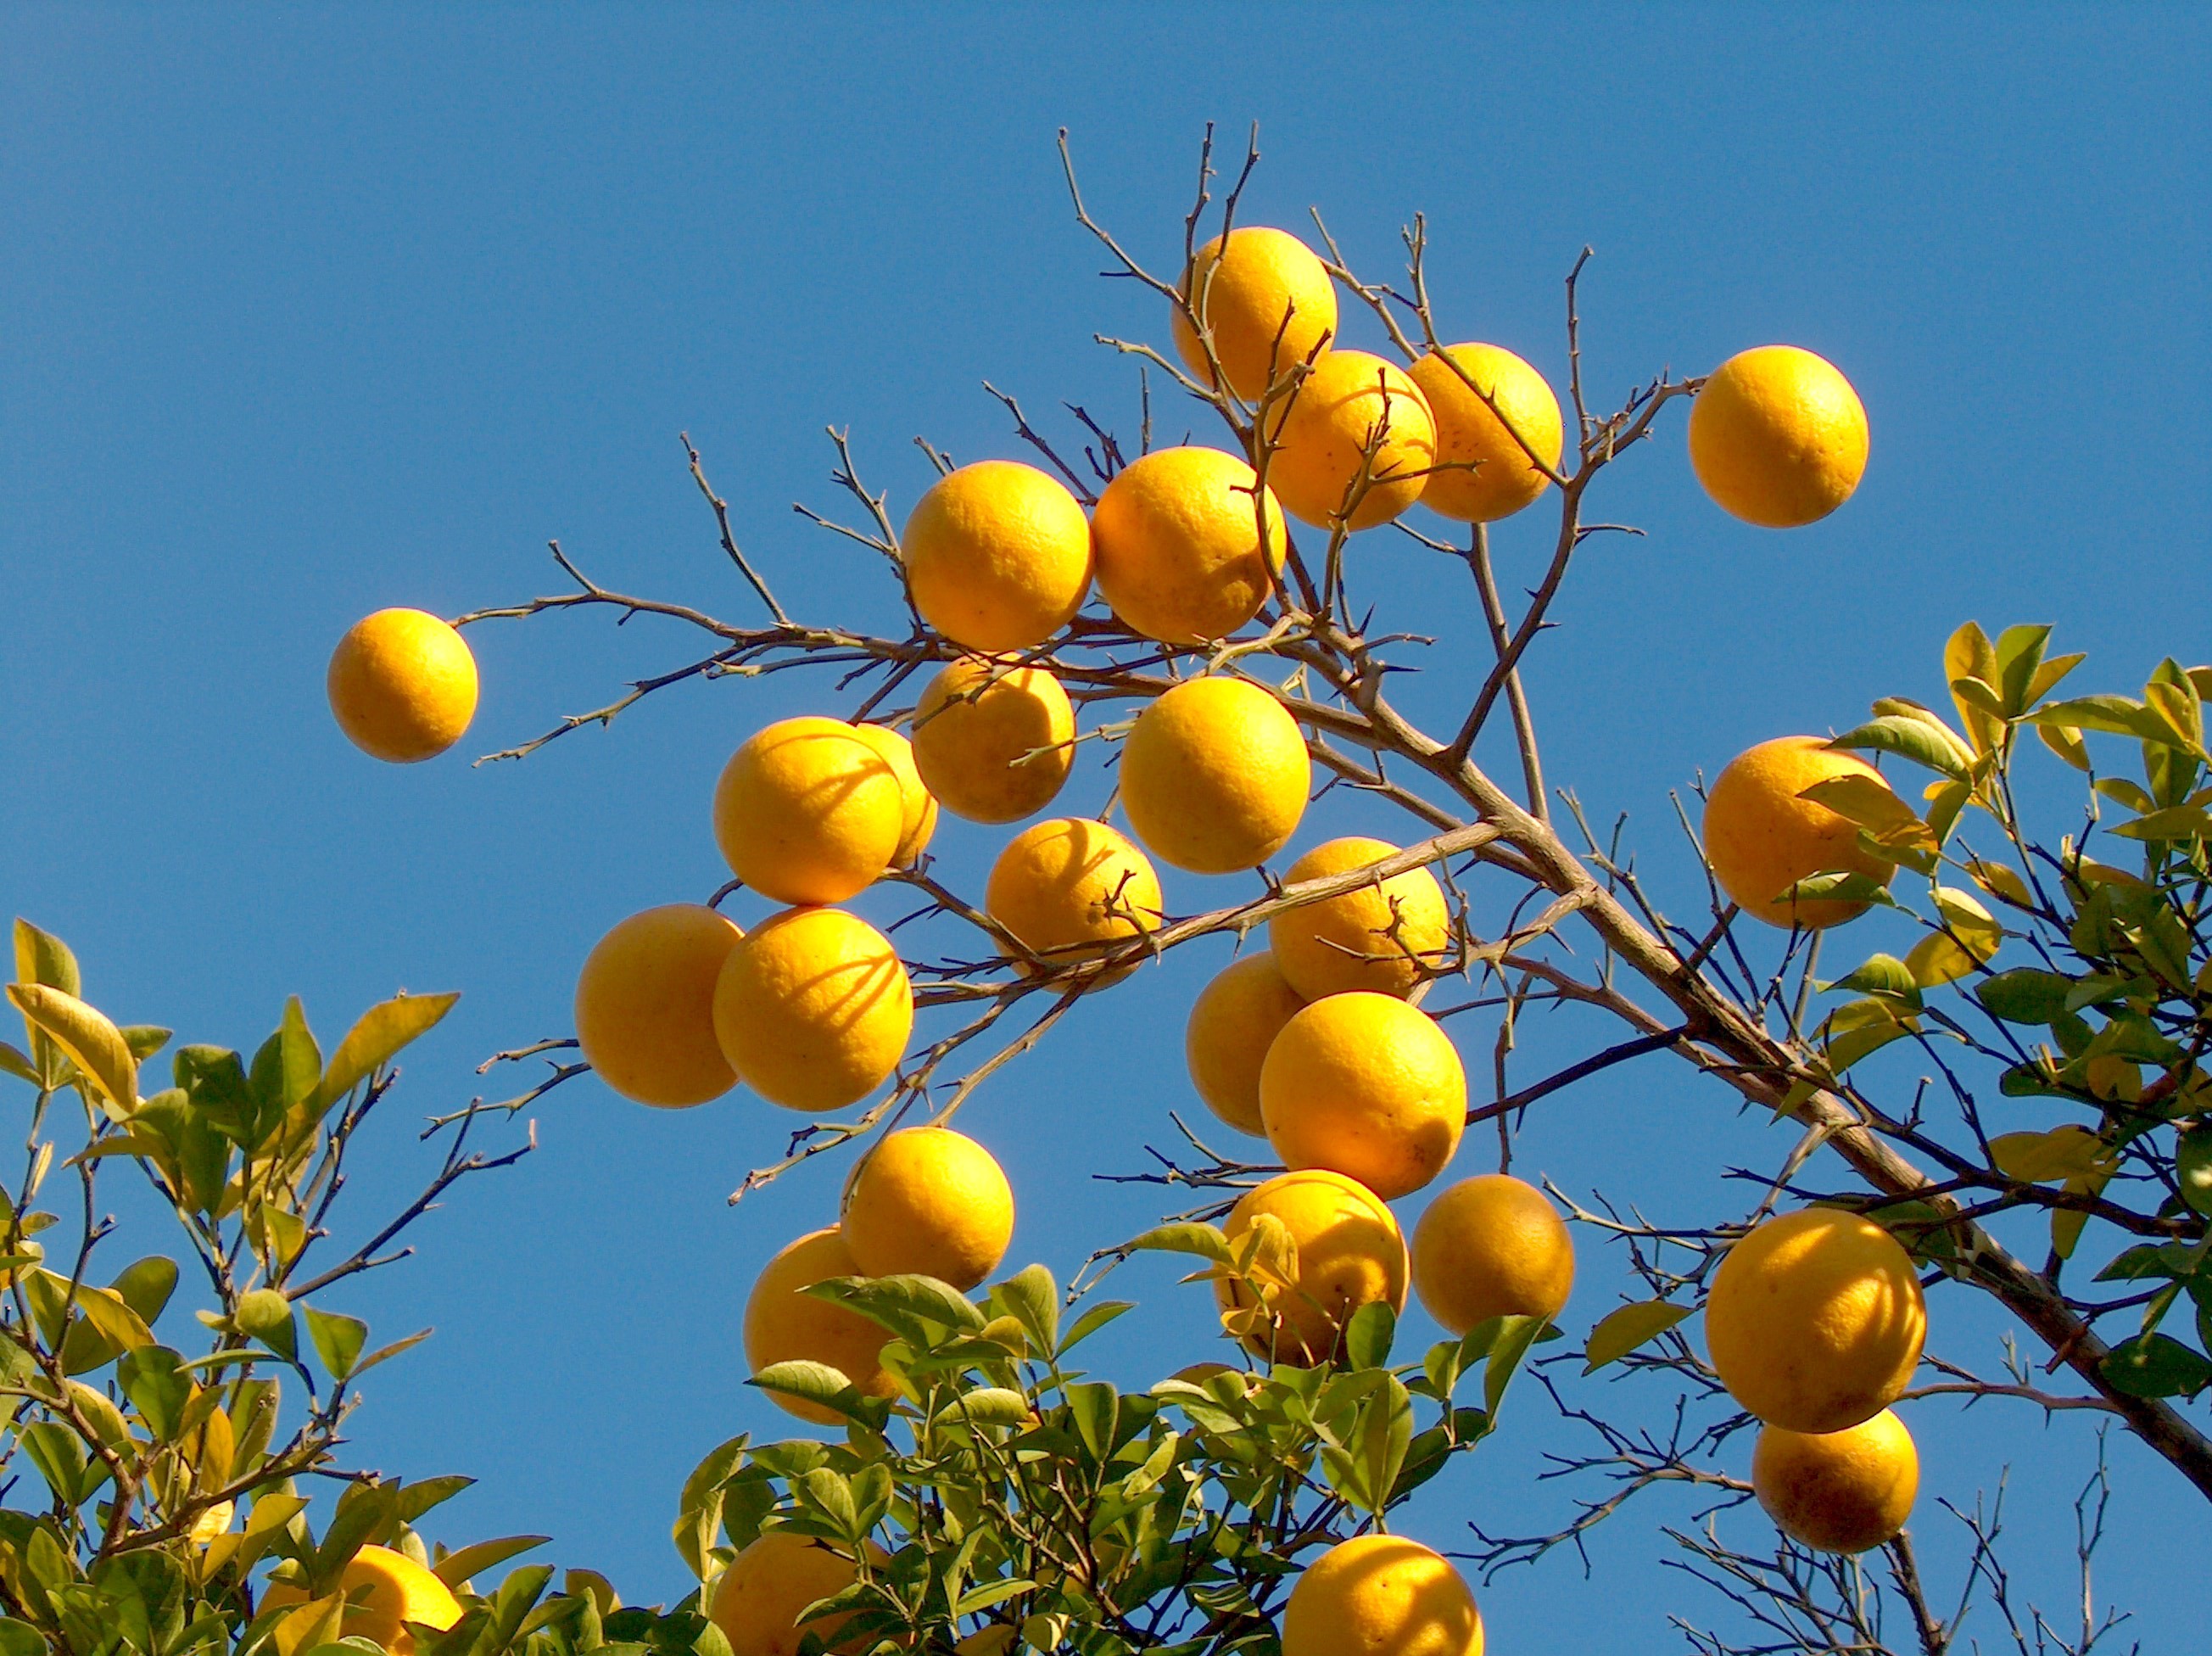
x: 1092, y: 1320
x: 1031, y: 1298
x: 458, y: 1566
x: 2176, y: 822
x: 2111, y: 715
x: 266, y: 1315
x: 1621, y: 1330
x: 815, y: 1382
x: 2155, y: 1366
x: 2064, y: 1153
x: 2020, y: 655
x: 337, y: 1338
x: 1205, y: 1241
x: 1842, y: 888
x: 906, y: 1305
x: 2025, y: 995
x: 289, y: 1066
x: 988, y: 1405
x: 1514, y: 1338
x: 153, y: 1378
x: 1880, y: 974
x: 1368, y: 1336
x: 15, y: 1063
x: 1925, y: 742
x: 380, y: 1034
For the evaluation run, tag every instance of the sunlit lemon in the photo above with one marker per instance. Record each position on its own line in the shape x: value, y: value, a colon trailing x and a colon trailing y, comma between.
x: 993, y: 741
x: 1188, y: 544
x: 645, y: 1006
x: 998, y: 555
x: 403, y: 685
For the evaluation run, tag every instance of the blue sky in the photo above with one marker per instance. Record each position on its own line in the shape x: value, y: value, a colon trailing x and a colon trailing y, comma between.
x: 307, y: 312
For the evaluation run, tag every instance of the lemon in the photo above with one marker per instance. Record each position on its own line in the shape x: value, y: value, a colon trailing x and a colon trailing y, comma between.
x: 917, y: 808
x: 1266, y: 299
x: 784, y: 1324
x: 1380, y: 1595
x: 931, y: 1202
x: 1181, y: 554
x: 1320, y: 438
x: 998, y: 555
x: 762, y: 1591
x: 1502, y: 481
x: 1365, y: 1086
x: 385, y: 1590
x: 1387, y: 936
x: 645, y: 1006
x: 813, y: 1009
x: 1070, y: 888
x: 1491, y: 1246
x: 1233, y: 1021
x: 1345, y: 1252
x: 1779, y: 437
x: 1815, y: 1320
x: 994, y: 742
x: 1761, y: 838
x: 1840, y: 1492
x: 1214, y: 775
x: 809, y: 811
x: 403, y: 685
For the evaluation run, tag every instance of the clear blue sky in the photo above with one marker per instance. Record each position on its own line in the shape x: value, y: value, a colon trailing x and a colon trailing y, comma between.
x: 306, y: 312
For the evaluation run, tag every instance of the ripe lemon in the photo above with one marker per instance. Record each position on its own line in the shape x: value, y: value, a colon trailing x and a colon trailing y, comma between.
x: 917, y: 808
x: 645, y: 1006
x: 1841, y: 1492
x: 1375, y: 937
x: 813, y: 1009
x: 1762, y: 839
x: 1365, y: 1086
x: 809, y: 811
x: 931, y: 1202
x: 1491, y: 1246
x: 783, y: 1325
x: 1069, y: 888
x: 757, y: 1601
x: 995, y: 743
x: 385, y: 1590
x: 1779, y: 437
x: 1214, y: 775
x: 1502, y: 481
x: 403, y: 685
x: 1181, y: 555
x: 1380, y: 1595
x: 998, y: 555
x: 1266, y: 299
x: 1320, y: 439
x: 1346, y: 1253
x: 1233, y: 1021
x: 1815, y: 1320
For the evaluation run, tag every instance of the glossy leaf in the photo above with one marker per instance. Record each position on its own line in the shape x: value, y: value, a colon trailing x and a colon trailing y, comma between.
x: 93, y: 1044
x: 1625, y: 1328
x: 378, y: 1034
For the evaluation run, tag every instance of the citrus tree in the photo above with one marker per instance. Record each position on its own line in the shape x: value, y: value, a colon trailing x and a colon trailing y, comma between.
x: 1197, y: 616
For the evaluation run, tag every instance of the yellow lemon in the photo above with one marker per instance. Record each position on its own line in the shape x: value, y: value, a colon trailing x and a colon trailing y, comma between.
x: 1491, y: 1246
x: 1234, y: 1020
x: 917, y: 808
x: 1266, y: 299
x: 1344, y: 1252
x: 762, y: 1591
x: 1779, y: 437
x: 784, y: 1324
x: 995, y: 743
x: 1380, y: 1595
x: 1182, y: 555
x: 403, y: 685
x: 1815, y: 1320
x: 1841, y: 1492
x: 1320, y: 438
x: 1365, y: 1086
x: 813, y: 1009
x: 1378, y: 936
x: 1502, y: 481
x: 931, y: 1202
x: 385, y: 1590
x: 809, y: 811
x: 1069, y: 888
x: 1761, y: 838
x: 998, y: 555
x: 645, y: 1006
x: 1214, y: 775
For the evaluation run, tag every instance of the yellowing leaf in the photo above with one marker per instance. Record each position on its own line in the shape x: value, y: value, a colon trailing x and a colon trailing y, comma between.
x: 2001, y: 882
x: 2064, y: 1153
x: 1936, y: 960
x: 1969, y: 655
x: 1973, y: 926
x: 93, y: 1042
x: 378, y: 1034
x: 1621, y: 1330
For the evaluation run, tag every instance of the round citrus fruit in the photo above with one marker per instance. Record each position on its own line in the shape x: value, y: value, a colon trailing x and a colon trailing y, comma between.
x: 1840, y: 1492
x: 385, y: 1590
x: 1762, y: 838
x: 1343, y: 1251
x: 1267, y: 300
x: 784, y: 1324
x: 1491, y: 1246
x: 1365, y: 1086
x: 1320, y: 469
x: 809, y: 811
x: 917, y: 809
x: 1379, y: 935
x: 764, y: 1589
x: 1069, y: 888
x: 998, y: 555
x: 995, y: 743
x: 1380, y: 1595
x: 1233, y: 1021
x: 1214, y: 775
x: 933, y: 1202
x: 1468, y: 431
x: 813, y: 1009
x: 645, y: 1006
x: 1779, y: 437
x: 1815, y: 1320
x: 403, y: 685
x: 1181, y: 556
